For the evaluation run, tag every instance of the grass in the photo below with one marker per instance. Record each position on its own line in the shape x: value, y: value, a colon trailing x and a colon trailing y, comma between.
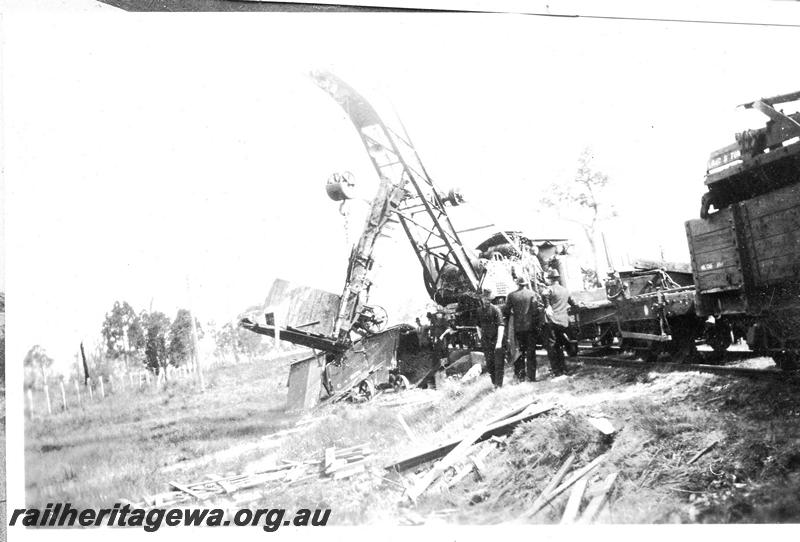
x: 118, y: 448
x: 121, y: 447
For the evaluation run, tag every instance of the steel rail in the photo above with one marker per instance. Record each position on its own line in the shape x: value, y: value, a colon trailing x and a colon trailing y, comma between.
x: 615, y: 362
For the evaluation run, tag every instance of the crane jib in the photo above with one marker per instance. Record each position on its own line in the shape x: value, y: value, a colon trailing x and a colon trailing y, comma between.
x: 398, y: 165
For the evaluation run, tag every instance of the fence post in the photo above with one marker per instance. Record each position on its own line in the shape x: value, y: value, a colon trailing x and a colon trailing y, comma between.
x: 91, y: 393
x: 47, y: 399
x: 102, y: 389
x: 78, y: 392
x: 63, y: 395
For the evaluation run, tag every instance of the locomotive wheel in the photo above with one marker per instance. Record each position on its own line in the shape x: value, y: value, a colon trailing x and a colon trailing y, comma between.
x: 787, y: 361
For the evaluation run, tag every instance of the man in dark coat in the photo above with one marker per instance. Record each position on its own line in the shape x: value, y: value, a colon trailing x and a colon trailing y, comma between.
x: 490, y: 320
x: 523, y: 304
x: 557, y: 301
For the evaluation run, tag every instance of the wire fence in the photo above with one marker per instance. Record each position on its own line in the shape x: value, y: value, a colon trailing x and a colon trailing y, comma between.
x: 57, y: 396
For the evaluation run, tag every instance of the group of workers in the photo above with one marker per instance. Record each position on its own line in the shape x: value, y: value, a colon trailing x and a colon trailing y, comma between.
x: 529, y: 316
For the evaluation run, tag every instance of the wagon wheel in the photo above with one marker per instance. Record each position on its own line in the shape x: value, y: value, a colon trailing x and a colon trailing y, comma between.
x: 366, y: 389
x: 787, y: 360
x: 400, y: 383
x: 719, y: 337
x: 653, y: 351
x: 572, y: 348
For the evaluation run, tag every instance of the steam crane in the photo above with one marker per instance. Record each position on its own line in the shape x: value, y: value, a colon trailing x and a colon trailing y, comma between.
x: 406, y: 194
x: 357, y: 348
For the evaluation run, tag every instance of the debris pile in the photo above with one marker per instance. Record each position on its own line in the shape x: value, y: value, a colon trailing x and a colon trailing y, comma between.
x: 346, y: 462
x: 578, y: 481
x: 336, y: 464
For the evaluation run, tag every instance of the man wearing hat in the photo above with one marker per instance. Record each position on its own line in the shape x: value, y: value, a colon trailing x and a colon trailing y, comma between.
x: 490, y: 321
x: 524, y: 305
x: 556, y: 300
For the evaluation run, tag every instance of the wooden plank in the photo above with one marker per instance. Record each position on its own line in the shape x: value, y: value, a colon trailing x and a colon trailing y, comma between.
x: 351, y: 448
x: 336, y: 465
x: 552, y: 484
x: 602, y: 425
x: 574, y: 477
x: 479, y: 459
x: 500, y: 428
x: 574, y: 502
x: 454, y: 456
x: 305, y: 382
x: 350, y: 471
x: 185, y: 489
x: 597, y: 502
x: 514, y: 412
x: 702, y: 452
x: 409, y: 433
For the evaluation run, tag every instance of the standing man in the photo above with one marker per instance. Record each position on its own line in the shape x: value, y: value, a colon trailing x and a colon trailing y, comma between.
x: 556, y: 301
x: 490, y: 320
x: 523, y: 304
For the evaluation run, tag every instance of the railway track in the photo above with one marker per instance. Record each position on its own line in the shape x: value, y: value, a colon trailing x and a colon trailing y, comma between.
x: 593, y: 358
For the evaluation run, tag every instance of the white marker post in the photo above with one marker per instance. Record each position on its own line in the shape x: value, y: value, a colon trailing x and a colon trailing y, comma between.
x: 91, y: 392
x: 63, y: 395
x: 47, y: 399
x: 78, y: 392
x: 102, y: 389
x: 29, y: 395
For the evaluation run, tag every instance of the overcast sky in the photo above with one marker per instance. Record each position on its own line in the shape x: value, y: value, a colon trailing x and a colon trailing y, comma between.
x: 142, y: 150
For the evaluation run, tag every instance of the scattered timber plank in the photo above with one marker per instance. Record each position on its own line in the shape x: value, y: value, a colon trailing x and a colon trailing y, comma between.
x: 599, y: 500
x: 294, y: 474
x: 349, y: 471
x: 500, y: 428
x: 409, y: 433
x: 574, y: 502
x: 552, y: 484
x: 702, y: 452
x: 574, y: 477
x: 336, y: 464
x: 478, y: 460
x: 186, y: 490
x: 602, y: 425
x: 513, y: 412
x: 454, y: 456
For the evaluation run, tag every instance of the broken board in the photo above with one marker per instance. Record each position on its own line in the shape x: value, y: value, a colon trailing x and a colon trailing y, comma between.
x: 305, y: 383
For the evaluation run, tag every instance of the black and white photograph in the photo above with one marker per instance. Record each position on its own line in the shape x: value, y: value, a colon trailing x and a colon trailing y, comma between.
x: 291, y: 270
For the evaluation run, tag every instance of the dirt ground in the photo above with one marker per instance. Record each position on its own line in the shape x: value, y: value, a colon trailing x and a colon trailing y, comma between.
x: 750, y: 474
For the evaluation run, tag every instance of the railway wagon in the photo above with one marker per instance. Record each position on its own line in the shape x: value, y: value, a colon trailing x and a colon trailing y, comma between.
x: 746, y: 254
x: 746, y: 261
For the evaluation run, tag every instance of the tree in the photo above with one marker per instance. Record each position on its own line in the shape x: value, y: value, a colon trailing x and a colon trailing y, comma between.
x: 156, y: 326
x: 181, y: 344
x: 584, y: 201
x: 231, y: 338
x: 224, y: 340
x: 36, y: 363
x: 123, y: 333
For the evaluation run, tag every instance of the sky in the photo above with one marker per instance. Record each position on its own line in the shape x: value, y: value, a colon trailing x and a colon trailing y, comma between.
x: 147, y: 153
